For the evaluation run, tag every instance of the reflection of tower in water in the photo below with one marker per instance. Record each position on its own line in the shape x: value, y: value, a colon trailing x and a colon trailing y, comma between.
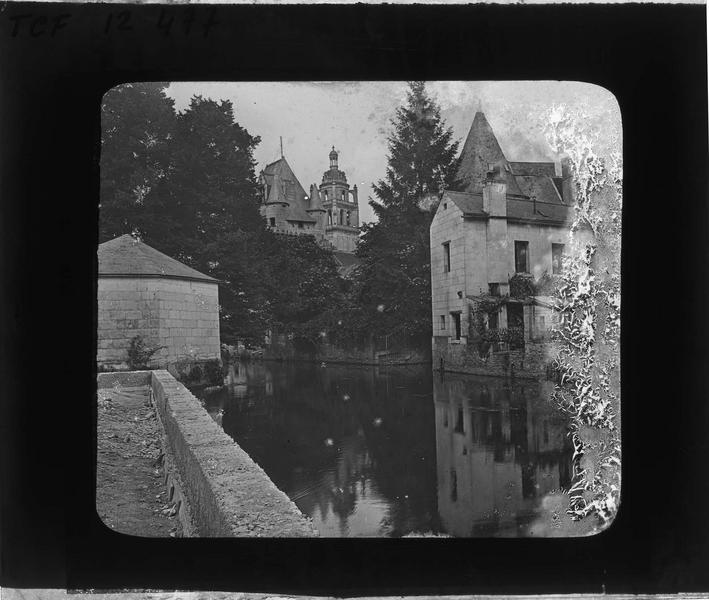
x: 500, y: 448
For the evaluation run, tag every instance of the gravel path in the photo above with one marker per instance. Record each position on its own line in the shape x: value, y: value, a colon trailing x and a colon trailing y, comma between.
x: 130, y: 493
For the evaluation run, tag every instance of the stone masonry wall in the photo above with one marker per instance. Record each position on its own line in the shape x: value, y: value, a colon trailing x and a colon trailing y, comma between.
x: 181, y: 315
x: 447, y: 227
x: 532, y: 361
x: 189, y: 320
x: 126, y: 308
x: 228, y: 494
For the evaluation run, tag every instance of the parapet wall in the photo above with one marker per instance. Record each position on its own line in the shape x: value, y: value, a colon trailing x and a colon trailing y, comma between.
x: 227, y: 492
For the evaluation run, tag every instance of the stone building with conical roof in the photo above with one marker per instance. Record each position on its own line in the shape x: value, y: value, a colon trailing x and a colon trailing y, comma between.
x: 494, y: 241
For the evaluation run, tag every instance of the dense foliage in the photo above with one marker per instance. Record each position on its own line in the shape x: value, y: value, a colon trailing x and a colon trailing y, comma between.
x: 185, y: 184
x: 393, y: 288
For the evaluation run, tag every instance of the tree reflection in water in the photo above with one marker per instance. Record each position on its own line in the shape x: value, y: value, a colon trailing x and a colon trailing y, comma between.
x: 368, y: 451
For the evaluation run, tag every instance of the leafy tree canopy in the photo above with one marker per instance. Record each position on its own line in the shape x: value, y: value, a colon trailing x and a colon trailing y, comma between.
x: 185, y: 183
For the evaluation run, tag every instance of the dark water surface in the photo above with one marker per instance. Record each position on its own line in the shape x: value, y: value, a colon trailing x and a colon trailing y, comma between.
x: 368, y: 451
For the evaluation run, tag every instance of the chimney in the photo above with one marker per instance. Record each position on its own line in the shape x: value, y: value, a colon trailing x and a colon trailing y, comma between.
x: 567, y: 181
x: 495, y: 192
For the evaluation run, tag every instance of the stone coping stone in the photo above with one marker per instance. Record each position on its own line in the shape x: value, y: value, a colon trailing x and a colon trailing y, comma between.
x: 229, y: 494
x: 123, y: 378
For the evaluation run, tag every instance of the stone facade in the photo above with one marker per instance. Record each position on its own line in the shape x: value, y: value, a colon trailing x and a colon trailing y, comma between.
x: 513, y: 221
x: 181, y: 316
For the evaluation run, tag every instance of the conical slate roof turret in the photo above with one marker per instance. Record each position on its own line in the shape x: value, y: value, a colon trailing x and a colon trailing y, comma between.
x: 314, y: 202
x: 481, y: 149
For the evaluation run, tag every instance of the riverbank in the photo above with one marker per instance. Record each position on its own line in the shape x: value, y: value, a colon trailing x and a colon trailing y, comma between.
x: 130, y: 494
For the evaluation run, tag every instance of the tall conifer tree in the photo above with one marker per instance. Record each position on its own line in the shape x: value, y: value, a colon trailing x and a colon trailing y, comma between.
x: 394, y: 283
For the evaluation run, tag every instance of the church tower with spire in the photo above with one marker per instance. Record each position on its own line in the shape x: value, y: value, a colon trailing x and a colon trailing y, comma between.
x: 341, y: 208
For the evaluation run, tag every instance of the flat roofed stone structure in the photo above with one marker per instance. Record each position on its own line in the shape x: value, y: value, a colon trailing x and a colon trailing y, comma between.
x: 144, y: 292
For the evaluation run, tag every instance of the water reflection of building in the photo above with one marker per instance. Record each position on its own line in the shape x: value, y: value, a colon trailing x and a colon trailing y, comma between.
x: 500, y: 448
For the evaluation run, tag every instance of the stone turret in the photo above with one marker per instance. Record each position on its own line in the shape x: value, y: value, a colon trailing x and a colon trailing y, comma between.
x: 341, y: 206
x: 315, y: 208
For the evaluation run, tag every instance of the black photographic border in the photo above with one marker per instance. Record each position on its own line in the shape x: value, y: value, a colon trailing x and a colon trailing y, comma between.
x: 58, y: 59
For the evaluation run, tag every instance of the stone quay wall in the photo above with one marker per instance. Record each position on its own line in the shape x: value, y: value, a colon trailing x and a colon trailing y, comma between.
x: 227, y: 494
x: 182, y: 316
x: 283, y: 349
x: 530, y: 362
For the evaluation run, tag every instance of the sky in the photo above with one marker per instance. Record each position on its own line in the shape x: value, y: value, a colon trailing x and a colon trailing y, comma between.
x: 356, y: 118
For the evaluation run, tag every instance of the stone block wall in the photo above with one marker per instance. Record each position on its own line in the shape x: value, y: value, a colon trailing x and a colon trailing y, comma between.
x: 228, y: 494
x: 540, y: 240
x: 532, y: 361
x: 126, y: 308
x: 189, y: 321
x: 447, y: 227
x: 181, y: 315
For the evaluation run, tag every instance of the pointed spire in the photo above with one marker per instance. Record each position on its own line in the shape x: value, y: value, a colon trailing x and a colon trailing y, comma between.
x: 481, y: 149
x: 281, y: 146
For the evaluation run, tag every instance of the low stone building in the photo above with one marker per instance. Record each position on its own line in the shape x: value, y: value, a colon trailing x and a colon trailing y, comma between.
x: 171, y: 306
x: 496, y: 243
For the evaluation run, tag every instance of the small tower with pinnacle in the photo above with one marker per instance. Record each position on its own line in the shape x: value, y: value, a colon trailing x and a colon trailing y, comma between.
x: 341, y: 207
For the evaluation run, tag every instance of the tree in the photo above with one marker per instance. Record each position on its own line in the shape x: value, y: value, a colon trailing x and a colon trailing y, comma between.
x: 393, y: 287
x: 138, y: 121
x: 186, y: 184
x: 304, y: 285
x: 211, y: 189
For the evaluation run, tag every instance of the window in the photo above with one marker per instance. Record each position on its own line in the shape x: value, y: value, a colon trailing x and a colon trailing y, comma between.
x: 348, y: 217
x: 521, y: 257
x: 456, y: 323
x: 443, y: 321
x: 494, y: 289
x: 557, y: 251
x: 272, y: 221
x: 342, y: 196
x: 329, y: 215
x: 447, y: 257
x: 459, y: 422
x: 300, y: 226
x: 492, y: 320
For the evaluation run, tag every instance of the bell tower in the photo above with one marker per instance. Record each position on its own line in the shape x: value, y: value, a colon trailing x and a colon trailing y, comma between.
x: 341, y: 207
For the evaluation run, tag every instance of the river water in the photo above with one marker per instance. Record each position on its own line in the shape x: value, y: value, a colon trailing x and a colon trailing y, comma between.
x: 386, y: 452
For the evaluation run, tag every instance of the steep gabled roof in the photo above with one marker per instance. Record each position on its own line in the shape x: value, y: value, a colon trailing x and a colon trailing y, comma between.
x: 297, y: 214
x: 276, y: 175
x: 518, y: 209
x: 125, y: 256
x: 551, y: 213
x: 543, y: 169
x: 468, y: 203
x: 540, y: 187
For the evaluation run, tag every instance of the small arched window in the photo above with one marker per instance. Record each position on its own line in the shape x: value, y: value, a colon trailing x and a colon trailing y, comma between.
x: 329, y: 215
